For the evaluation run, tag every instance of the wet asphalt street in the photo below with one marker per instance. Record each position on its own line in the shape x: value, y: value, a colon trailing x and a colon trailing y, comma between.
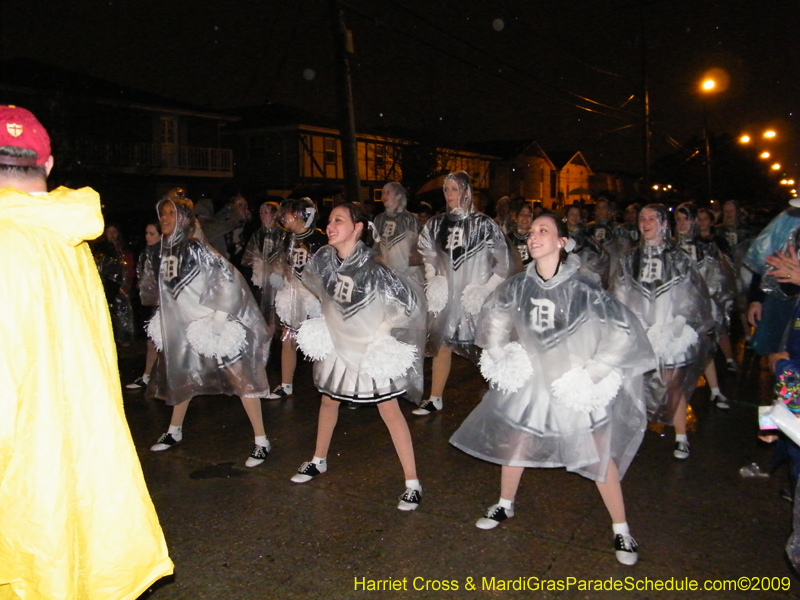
x: 239, y: 533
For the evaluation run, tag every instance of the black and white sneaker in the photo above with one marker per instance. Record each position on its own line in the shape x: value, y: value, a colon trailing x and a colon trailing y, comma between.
x: 721, y: 402
x: 410, y: 499
x: 279, y: 393
x: 309, y: 470
x: 681, y: 451
x: 165, y: 442
x: 493, y: 516
x: 428, y: 407
x: 626, y: 549
x: 138, y: 384
x: 258, y: 455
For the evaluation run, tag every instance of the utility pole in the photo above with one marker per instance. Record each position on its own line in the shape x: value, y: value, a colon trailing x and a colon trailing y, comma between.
x: 645, y: 106
x: 343, y: 48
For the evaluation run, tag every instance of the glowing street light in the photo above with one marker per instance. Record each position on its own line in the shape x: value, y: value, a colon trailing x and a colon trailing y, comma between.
x: 769, y: 134
x: 765, y: 154
x: 776, y: 167
x: 708, y: 85
x: 744, y: 139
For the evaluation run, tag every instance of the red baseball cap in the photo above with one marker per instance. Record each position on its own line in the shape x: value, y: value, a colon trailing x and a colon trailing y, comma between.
x: 19, y: 128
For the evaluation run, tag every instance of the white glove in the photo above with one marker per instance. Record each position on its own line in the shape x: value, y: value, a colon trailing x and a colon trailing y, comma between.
x: 430, y: 272
x: 677, y: 325
x: 218, y: 322
x: 597, y: 370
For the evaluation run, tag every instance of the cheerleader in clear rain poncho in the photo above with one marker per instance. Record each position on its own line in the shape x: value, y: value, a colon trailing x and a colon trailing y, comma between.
x: 608, y: 234
x: 398, y: 234
x: 211, y: 335
x: 565, y: 361
x: 294, y: 303
x: 518, y: 233
x: 595, y: 261
x: 360, y: 345
x: 263, y: 254
x: 718, y: 275
x: 147, y: 282
x: 466, y: 256
x: 661, y: 285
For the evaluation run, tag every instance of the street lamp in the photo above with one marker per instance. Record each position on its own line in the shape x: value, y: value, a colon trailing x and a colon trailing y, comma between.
x: 769, y: 134
x: 744, y: 139
x: 765, y: 154
x: 707, y: 87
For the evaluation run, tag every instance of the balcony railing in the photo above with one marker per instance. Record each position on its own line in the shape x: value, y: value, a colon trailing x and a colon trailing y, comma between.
x: 164, y: 159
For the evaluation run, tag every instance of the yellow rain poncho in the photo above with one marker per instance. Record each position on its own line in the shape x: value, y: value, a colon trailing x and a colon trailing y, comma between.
x: 76, y: 520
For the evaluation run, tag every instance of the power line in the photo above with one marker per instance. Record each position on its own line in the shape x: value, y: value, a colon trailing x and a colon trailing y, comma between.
x: 396, y: 30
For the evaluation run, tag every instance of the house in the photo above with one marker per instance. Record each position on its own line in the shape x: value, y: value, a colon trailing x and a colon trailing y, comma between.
x: 129, y: 145
x: 280, y: 149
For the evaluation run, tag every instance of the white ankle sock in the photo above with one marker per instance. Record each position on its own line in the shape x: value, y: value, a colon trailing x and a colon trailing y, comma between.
x: 287, y: 387
x: 261, y: 440
x: 176, y: 431
x: 433, y: 398
x: 413, y: 484
x: 621, y: 528
x: 681, y: 437
x: 715, y: 392
x: 507, y: 504
x: 146, y: 378
x: 318, y: 461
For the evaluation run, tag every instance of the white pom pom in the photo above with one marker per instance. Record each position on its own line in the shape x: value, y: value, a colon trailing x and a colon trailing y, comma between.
x: 511, y: 371
x: 606, y: 389
x: 314, y: 339
x: 276, y: 281
x: 387, y: 358
x: 258, y: 273
x: 202, y: 338
x: 436, y: 293
x: 575, y: 390
x: 283, y: 305
x: 668, y: 347
x: 154, y: 330
x: 473, y: 297
x: 312, y: 306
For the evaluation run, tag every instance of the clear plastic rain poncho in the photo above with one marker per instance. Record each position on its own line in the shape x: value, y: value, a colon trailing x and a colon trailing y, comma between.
x: 610, y: 236
x: 147, y: 274
x: 197, y: 286
x: 662, y: 286
x: 738, y: 238
x: 398, y: 235
x: 772, y: 238
x: 466, y: 248
x: 363, y: 300
x: 294, y: 303
x: 263, y: 254
x: 562, y: 324
x: 714, y: 267
x: 519, y: 241
x: 595, y: 260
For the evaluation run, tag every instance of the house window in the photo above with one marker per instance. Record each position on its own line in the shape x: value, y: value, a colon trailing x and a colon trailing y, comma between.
x: 330, y: 151
x: 169, y: 130
x: 380, y: 157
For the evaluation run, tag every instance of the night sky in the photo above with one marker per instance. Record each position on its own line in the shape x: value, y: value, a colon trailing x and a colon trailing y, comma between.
x: 460, y: 70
